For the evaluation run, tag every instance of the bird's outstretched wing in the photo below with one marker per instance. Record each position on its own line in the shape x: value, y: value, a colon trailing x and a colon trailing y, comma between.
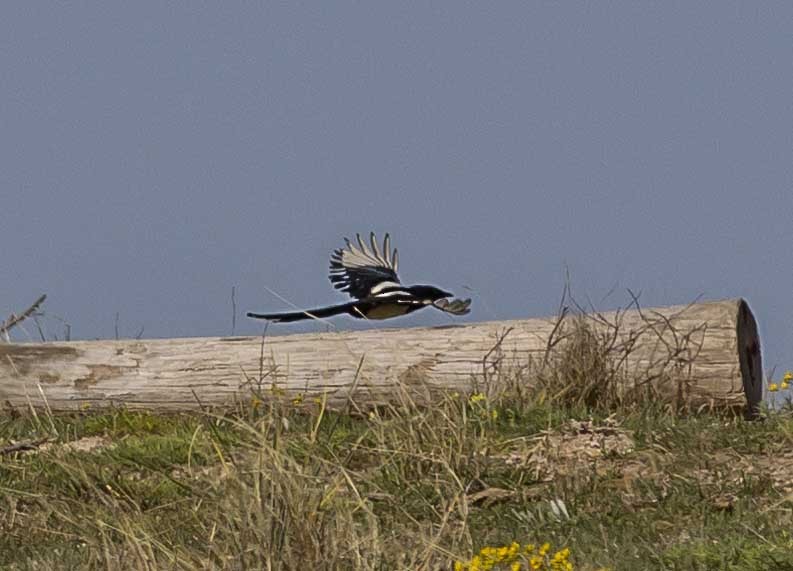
x: 360, y: 269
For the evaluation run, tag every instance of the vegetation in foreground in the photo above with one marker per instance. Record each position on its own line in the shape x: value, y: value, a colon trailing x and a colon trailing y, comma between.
x: 574, y: 473
x: 297, y: 487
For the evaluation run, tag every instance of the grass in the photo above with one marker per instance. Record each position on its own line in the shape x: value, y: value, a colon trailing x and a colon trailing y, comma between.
x: 623, y: 480
x: 286, y: 487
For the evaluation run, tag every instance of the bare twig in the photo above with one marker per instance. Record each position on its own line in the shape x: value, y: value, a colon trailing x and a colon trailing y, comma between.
x: 261, y: 356
x: 25, y: 445
x: 494, y: 349
x: 561, y: 315
x: 233, y: 309
x: 40, y: 330
x: 14, y: 319
x: 67, y: 328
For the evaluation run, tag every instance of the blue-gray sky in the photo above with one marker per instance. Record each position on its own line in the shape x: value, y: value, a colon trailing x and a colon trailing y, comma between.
x: 153, y: 155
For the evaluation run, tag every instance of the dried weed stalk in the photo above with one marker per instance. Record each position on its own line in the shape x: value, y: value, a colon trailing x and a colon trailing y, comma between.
x: 592, y: 360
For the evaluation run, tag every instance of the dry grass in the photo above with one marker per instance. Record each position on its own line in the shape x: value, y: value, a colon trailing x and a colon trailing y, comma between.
x: 403, y: 489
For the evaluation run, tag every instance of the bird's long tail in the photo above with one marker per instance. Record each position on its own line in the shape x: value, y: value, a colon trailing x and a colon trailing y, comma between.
x: 306, y: 314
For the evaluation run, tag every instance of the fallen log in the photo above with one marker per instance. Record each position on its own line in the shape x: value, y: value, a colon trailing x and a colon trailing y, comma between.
x: 710, y: 351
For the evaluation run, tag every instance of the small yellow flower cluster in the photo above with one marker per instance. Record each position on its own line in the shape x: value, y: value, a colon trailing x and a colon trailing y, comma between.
x: 559, y: 561
x: 784, y: 385
x: 480, y: 407
x: 516, y: 558
x: 278, y: 392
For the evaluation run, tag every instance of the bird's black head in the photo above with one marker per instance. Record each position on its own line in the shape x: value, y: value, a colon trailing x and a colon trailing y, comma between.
x: 429, y: 292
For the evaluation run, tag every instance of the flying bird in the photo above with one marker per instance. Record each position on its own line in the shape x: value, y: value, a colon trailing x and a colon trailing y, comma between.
x: 368, y: 273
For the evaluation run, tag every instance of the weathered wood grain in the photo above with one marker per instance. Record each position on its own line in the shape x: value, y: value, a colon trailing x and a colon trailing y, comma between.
x: 713, y: 344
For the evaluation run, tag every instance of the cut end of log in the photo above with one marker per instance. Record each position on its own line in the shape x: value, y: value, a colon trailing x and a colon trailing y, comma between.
x: 749, y: 356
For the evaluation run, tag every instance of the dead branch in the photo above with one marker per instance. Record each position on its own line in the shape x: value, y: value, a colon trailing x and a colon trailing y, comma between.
x: 24, y: 445
x: 15, y: 319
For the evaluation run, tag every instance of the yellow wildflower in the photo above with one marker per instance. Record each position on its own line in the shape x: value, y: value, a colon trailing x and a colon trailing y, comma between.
x: 494, y: 414
x: 773, y: 387
x: 515, y: 557
x: 788, y: 376
x: 477, y: 397
x: 559, y: 560
x: 784, y: 386
x: 298, y: 400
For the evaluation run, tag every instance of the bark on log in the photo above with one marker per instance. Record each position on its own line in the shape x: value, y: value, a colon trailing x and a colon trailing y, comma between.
x: 713, y: 346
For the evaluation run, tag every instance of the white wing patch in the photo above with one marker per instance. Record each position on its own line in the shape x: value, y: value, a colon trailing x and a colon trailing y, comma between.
x: 383, y: 285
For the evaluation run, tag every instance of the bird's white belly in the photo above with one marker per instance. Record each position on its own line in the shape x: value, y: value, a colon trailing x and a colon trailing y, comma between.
x: 388, y: 310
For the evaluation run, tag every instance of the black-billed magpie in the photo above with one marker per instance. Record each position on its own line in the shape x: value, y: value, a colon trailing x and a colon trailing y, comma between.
x: 369, y: 275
